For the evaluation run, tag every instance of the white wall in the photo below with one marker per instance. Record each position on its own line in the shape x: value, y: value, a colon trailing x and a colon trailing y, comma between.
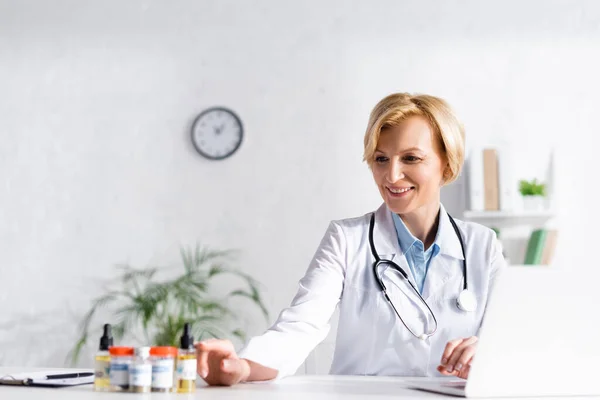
x: 97, y: 98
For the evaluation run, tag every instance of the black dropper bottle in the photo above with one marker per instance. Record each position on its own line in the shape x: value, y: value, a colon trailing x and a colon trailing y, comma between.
x: 106, y: 340
x: 186, y: 362
x: 187, y: 340
x: 102, y: 361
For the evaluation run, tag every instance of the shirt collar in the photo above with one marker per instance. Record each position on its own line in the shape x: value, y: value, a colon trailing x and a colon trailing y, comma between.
x: 445, y: 242
x: 407, y: 240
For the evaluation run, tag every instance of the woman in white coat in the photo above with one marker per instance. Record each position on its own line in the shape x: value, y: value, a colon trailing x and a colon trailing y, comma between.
x: 414, y: 144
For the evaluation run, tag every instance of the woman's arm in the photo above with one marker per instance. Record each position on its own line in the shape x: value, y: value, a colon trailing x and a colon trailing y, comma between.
x: 299, y: 328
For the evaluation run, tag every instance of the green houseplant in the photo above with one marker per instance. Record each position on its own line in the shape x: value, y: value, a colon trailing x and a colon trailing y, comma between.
x: 533, y: 194
x: 151, y: 305
x: 532, y: 188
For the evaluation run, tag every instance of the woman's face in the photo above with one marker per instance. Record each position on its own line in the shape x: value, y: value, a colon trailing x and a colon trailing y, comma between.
x: 408, y: 167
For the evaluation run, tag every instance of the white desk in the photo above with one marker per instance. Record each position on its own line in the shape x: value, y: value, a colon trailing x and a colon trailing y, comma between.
x: 315, y: 387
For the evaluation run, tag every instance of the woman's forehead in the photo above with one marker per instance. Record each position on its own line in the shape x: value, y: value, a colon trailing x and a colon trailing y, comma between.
x: 413, y: 133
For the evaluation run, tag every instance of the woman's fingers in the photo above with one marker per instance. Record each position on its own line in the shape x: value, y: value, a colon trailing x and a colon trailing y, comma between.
x: 458, y: 351
x: 464, y: 372
x: 202, y: 359
x: 465, y: 358
x: 450, y: 346
x: 442, y: 370
x: 232, y: 371
x: 209, y: 354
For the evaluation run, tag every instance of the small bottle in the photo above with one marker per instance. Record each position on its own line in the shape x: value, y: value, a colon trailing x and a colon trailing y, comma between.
x: 186, y: 363
x: 163, y: 368
x: 140, y: 371
x: 120, y: 361
x: 102, y: 361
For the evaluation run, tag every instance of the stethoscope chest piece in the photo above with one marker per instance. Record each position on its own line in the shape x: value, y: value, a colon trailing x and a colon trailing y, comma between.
x: 466, y: 301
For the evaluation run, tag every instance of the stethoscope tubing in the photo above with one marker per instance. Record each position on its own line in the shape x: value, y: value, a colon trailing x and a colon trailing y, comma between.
x: 378, y: 262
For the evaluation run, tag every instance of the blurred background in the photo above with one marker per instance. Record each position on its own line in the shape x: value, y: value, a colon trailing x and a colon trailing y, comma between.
x: 97, y: 167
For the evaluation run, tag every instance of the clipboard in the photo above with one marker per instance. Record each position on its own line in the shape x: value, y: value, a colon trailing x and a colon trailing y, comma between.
x: 49, y: 378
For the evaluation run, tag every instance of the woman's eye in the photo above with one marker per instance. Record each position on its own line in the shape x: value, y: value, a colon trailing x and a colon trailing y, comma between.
x: 380, y: 159
x: 411, y: 159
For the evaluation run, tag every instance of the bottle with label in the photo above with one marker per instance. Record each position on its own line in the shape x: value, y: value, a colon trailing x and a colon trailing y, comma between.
x: 120, y: 361
x: 140, y: 371
x: 102, y: 361
x: 163, y: 368
x: 186, y: 363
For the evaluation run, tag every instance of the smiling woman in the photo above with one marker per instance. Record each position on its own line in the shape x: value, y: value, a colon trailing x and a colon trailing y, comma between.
x: 414, y: 145
x: 396, y: 273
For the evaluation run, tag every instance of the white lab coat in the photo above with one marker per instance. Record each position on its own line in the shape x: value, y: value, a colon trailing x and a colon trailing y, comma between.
x: 371, y: 340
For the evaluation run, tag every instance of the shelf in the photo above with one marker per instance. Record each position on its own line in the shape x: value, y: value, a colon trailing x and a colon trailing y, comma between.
x: 508, y: 214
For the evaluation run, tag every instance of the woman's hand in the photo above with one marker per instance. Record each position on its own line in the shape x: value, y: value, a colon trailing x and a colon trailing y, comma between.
x: 457, y: 357
x: 219, y: 364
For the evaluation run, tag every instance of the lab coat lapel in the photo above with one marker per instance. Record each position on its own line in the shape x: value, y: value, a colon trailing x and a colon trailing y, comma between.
x: 448, y: 263
x: 386, y: 240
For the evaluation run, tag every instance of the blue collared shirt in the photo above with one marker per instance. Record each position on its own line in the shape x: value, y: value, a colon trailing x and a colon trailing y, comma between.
x: 417, y: 257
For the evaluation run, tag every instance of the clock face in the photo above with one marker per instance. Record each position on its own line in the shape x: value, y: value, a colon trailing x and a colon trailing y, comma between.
x: 217, y: 133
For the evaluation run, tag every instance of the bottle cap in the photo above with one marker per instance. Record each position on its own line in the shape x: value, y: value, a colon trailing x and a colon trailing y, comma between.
x: 121, y: 351
x: 163, y: 351
x: 106, y: 341
x: 143, y: 352
x: 187, y: 340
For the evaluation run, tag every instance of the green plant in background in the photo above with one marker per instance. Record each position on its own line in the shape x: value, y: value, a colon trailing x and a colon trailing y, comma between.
x: 158, y: 308
x: 532, y: 188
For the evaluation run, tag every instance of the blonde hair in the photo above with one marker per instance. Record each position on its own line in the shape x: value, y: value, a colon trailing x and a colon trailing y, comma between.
x: 448, y: 130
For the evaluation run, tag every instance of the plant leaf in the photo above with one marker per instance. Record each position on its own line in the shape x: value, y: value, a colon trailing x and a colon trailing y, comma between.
x: 252, y: 296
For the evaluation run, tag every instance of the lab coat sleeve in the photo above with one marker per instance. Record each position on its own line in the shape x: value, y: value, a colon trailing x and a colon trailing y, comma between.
x: 496, y: 265
x: 306, y: 322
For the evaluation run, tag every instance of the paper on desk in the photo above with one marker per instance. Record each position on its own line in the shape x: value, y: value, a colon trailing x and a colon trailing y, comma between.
x: 38, y: 378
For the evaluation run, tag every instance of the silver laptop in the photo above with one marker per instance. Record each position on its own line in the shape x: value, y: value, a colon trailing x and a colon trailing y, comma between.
x: 540, y: 337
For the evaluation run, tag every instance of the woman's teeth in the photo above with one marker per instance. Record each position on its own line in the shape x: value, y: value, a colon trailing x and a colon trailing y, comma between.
x: 397, y: 191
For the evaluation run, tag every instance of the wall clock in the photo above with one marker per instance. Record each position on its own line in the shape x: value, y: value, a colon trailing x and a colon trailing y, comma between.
x: 217, y: 133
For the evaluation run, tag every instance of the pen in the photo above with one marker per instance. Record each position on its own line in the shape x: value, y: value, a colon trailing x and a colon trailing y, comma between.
x: 71, y: 375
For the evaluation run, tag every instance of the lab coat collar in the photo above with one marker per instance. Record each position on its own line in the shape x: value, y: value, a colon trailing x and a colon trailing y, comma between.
x: 447, y: 238
x: 386, y: 240
x: 384, y: 234
x: 441, y: 270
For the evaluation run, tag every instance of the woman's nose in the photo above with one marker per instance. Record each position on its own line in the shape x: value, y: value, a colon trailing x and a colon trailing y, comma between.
x: 394, y: 172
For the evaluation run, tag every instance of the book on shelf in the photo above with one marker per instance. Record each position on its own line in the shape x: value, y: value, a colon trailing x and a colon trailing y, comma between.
x: 475, y: 180
x: 490, y: 180
x: 541, y: 246
x: 508, y: 192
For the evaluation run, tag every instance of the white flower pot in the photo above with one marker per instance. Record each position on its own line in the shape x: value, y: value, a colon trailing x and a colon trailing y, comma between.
x: 534, y: 203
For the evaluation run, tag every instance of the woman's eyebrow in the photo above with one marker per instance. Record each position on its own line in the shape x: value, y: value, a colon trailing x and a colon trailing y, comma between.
x: 403, y: 151
x: 413, y: 149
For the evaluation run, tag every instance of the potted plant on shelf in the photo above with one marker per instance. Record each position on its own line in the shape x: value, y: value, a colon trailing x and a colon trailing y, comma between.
x: 533, y: 194
x: 150, y: 306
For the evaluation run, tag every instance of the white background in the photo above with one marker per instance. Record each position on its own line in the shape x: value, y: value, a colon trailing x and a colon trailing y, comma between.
x: 97, y: 99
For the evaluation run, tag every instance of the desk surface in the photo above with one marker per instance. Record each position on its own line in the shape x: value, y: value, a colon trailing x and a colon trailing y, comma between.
x: 308, y: 387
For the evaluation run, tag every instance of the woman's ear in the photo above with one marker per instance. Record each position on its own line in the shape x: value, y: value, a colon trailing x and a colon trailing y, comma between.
x: 446, y: 174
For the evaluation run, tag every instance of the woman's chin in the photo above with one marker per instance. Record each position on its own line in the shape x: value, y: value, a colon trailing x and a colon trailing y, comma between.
x: 399, y: 206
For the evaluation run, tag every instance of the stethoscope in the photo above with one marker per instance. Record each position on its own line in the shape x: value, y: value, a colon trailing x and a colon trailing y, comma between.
x: 465, y: 301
